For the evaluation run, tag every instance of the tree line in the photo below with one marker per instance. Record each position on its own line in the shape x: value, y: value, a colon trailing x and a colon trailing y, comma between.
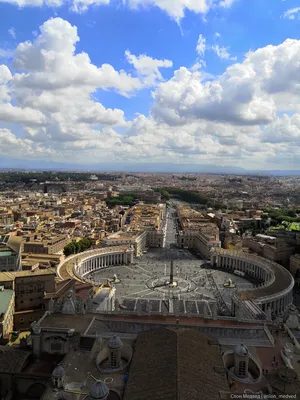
x: 77, y: 247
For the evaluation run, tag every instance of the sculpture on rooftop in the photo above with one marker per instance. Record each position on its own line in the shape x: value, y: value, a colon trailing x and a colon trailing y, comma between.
x: 35, y: 328
x: 291, y: 317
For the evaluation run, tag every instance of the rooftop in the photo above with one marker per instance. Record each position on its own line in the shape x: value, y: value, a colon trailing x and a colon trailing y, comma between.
x: 11, y: 276
x: 12, y: 360
x: 174, y: 364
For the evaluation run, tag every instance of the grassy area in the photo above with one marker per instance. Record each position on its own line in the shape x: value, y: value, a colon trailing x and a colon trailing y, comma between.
x: 293, y: 226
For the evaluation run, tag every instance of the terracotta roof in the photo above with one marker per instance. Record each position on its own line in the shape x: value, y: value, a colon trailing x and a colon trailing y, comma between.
x: 174, y: 365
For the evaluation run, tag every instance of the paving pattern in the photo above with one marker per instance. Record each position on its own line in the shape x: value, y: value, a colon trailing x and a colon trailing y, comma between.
x: 144, y: 281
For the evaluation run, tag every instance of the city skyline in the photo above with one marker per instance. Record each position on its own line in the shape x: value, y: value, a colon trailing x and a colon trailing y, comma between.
x: 212, y: 83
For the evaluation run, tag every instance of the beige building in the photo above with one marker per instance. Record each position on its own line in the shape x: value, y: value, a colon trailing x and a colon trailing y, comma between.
x: 131, y: 238
x: 46, y: 245
x: 196, y: 232
x: 7, y: 306
x: 198, y: 241
x: 29, y: 289
x: 270, y: 247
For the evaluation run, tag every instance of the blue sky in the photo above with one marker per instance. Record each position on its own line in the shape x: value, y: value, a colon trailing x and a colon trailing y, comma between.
x: 229, y: 109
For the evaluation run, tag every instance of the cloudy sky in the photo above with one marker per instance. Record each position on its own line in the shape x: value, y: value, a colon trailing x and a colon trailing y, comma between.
x: 151, y: 81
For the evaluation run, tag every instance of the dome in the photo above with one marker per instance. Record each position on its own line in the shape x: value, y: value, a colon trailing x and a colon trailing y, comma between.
x: 241, y: 350
x: 114, y: 343
x: 99, y: 391
x: 58, y: 372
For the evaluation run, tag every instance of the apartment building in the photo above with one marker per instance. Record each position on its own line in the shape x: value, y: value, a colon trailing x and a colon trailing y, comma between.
x: 46, y: 244
x: 30, y: 288
x: 138, y: 240
x: 196, y: 233
x: 270, y: 247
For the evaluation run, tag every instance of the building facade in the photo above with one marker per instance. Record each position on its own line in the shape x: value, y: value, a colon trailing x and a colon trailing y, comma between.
x: 7, y: 306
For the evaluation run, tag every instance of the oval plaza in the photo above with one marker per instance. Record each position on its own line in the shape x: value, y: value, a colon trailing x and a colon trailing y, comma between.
x: 272, y: 292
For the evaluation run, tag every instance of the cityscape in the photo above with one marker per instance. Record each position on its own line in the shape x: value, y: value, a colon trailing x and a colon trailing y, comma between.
x: 149, y: 199
x: 115, y: 267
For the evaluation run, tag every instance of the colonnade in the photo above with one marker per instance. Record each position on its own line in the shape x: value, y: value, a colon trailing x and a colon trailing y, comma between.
x: 255, y: 269
x: 104, y: 260
x: 262, y: 270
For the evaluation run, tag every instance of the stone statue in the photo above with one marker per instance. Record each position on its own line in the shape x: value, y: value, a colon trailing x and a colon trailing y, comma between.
x: 205, y: 309
x: 291, y: 317
x: 164, y: 311
x: 117, y: 303
x: 90, y: 303
x: 81, y: 307
x: 139, y: 308
x: 69, y: 306
x: 149, y: 307
x: 57, y: 306
x: 269, y: 314
x: 51, y: 306
x: 91, y: 293
x: 35, y: 328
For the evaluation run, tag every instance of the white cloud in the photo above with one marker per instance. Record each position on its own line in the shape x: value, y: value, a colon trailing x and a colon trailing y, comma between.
x: 147, y: 67
x: 229, y: 119
x: 12, y: 32
x: 77, y: 6
x: 26, y: 116
x: 80, y: 6
x: 34, y: 3
x: 217, y: 35
x: 292, y: 13
x: 6, y: 53
x: 227, y: 3
x: 232, y: 98
x: 5, y: 78
x: 174, y: 8
x: 247, y: 93
x: 283, y: 130
x: 50, y: 63
x: 222, y: 52
x: 199, y: 64
x: 201, y: 45
x: 53, y: 95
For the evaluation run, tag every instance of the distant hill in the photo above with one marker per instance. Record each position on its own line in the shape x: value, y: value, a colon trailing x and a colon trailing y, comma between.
x: 6, y: 163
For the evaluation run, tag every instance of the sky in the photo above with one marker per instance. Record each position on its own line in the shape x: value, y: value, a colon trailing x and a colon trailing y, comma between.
x: 209, y: 82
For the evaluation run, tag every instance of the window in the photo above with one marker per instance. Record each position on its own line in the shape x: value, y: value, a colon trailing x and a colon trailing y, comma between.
x: 21, y: 319
x: 242, y: 368
x: 113, y: 360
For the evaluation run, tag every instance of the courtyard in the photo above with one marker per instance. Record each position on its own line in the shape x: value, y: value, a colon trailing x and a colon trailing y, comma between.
x: 148, y: 278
